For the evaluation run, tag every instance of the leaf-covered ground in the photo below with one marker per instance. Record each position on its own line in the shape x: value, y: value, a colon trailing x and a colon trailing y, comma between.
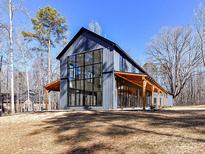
x: 177, y: 130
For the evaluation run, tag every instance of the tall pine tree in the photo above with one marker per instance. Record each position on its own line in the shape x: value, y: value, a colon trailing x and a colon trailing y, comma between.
x: 49, y: 29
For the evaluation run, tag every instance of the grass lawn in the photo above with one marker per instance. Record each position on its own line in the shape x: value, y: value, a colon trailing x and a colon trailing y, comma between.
x: 177, y: 130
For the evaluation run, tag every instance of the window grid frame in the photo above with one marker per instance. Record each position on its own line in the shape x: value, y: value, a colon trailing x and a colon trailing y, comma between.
x: 83, y: 91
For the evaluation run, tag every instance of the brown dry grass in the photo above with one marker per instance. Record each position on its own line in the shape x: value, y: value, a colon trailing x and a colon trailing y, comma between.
x: 170, y: 131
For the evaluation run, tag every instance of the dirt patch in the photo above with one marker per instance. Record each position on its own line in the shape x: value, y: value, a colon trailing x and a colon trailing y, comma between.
x: 167, y: 131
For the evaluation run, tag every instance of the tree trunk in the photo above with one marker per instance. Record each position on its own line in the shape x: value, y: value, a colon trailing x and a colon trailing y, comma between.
x: 40, y: 82
x: 49, y: 71
x: 19, y: 100
x: 1, y: 58
x: 39, y: 99
x: 17, y: 95
x: 28, y: 89
x: 1, y: 103
x: 7, y: 89
x: 11, y: 54
x: 27, y: 81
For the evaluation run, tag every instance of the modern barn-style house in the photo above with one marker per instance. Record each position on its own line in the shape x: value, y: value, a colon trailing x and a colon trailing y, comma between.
x: 96, y: 73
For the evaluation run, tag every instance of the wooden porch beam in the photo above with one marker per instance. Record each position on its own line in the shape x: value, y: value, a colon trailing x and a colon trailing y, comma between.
x: 158, y: 99
x: 46, y: 98
x: 144, y: 93
x: 130, y: 81
x: 152, y: 105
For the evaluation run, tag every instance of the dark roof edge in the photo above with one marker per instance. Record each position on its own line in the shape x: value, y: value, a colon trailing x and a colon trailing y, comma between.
x: 116, y: 47
x: 69, y: 44
x: 78, y: 34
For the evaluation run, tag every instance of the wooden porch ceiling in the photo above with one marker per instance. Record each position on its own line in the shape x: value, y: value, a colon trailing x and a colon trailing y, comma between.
x: 138, y: 79
x: 53, y: 86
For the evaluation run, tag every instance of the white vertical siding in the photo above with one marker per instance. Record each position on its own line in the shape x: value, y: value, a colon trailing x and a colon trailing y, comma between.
x: 63, y: 69
x: 108, y: 67
x: 116, y: 61
x: 63, y: 94
x: 107, y: 90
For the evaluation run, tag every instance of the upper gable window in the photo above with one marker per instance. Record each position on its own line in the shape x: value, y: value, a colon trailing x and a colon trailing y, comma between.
x: 133, y: 69
x: 122, y: 64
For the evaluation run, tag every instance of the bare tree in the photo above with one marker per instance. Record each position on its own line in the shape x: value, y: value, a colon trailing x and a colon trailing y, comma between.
x: 18, y: 6
x: 1, y: 57
x: 174, y: 51
x: 194, y: 91
x: 11, y: 65
x: 199, y: 15
x: 49, y: 29
x: 24, y: 59
x: 152, y: 69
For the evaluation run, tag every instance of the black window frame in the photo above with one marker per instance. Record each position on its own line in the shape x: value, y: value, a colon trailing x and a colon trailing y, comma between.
x: 90, y: 79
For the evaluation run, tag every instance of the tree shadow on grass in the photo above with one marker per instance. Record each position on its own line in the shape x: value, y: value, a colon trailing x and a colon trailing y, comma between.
x: 73, y: 129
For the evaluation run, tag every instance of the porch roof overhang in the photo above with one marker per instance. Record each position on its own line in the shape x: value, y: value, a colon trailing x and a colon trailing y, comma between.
x: 139, y: 78
x: 53, y: 86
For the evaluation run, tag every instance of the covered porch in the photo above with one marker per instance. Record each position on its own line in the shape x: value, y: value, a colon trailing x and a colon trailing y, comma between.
x: 139, y: 90
x: 53, y: 86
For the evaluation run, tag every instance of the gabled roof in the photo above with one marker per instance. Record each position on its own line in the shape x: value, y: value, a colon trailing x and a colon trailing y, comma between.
x: 80, y: 32
x: 111, y: 43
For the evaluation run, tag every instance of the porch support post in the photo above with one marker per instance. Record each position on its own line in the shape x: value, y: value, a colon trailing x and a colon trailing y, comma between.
x: 144, y: 93
x: 152, y: 105
x: 46, y: 98
x: 163, y: 99
x: 158, y: 99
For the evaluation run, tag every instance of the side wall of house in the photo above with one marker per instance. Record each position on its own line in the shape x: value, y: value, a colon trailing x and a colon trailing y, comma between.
x: 108, y: 78
x: 128, y: 67
x: 87, y: 42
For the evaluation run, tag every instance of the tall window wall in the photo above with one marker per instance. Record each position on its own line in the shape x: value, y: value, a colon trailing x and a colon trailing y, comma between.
x: 85, y: 79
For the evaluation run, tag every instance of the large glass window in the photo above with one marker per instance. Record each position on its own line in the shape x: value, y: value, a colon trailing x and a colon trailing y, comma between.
x: 85, y: 79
